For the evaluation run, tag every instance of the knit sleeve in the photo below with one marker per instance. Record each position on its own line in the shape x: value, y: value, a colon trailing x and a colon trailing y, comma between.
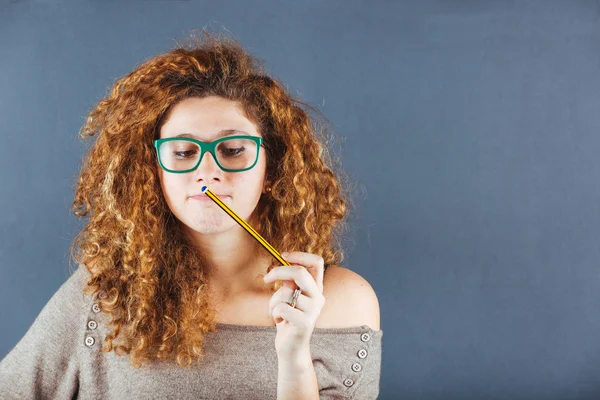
x: 347, y: 362
x: 44, y: 364
x: 367, y: 384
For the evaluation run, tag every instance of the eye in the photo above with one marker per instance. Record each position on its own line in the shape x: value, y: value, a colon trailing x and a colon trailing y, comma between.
x: 231, y: 152
x: 184, y: 153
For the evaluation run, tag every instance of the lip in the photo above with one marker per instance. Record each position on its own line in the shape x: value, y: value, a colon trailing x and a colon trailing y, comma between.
x: 204, y: 197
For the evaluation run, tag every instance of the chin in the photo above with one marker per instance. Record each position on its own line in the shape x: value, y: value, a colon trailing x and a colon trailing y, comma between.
x: 210, y: 224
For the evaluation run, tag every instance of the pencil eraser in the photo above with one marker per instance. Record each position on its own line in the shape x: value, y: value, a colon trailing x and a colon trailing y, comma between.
x: 204, y: 189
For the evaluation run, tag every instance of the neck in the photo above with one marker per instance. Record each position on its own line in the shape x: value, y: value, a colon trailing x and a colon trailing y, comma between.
x: 237, y: 261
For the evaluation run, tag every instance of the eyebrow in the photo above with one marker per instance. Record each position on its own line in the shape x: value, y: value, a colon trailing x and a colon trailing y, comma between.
x: 223, y: 133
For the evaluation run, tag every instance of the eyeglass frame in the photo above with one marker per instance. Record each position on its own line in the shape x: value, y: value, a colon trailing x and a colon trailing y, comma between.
x: 210, y: 147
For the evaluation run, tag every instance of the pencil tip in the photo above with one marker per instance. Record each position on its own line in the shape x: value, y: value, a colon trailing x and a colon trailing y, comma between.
x: 204, y: 188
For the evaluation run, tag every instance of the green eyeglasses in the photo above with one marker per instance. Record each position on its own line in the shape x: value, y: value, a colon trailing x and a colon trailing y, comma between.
x: 232, y: 153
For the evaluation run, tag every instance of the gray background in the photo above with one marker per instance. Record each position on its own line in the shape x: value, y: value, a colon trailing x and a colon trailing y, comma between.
x: 472, y: 127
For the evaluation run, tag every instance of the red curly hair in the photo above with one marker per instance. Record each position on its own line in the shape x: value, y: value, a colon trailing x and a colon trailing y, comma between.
x: 134, y: 247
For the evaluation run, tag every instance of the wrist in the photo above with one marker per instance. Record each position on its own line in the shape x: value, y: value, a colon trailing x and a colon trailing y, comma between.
x: 293, y: 365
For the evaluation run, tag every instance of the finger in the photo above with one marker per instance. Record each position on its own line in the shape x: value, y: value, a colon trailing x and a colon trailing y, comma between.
x: 299, y: 275
x: 303, y: 303
x: 285, y: 312
x: 281, y: 295
x: 313, y: 262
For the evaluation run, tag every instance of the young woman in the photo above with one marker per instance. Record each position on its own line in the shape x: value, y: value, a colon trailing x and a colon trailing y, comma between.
x: 187, y: 303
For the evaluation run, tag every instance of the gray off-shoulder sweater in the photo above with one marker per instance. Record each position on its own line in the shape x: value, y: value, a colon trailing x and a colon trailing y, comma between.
x: 59, y: 357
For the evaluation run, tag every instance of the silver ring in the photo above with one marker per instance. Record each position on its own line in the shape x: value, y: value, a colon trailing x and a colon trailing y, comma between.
x: 294, y: 298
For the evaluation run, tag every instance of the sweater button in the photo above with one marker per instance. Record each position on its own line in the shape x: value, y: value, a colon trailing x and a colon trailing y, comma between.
x: 365, y: 337
x: 362, y: 353
x: 348, y: 382
x: 89, y: 341
x: 356, y: 367
x: 96, y: 308
x: 92, y: 324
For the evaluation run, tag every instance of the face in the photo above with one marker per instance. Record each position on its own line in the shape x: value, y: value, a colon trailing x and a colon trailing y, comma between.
x: 204, y: 118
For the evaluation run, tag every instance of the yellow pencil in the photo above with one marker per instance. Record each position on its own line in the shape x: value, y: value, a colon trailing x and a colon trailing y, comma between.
x: 245, y: 225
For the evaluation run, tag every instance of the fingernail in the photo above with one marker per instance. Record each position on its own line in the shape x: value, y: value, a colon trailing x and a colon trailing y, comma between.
x: 285, y: 254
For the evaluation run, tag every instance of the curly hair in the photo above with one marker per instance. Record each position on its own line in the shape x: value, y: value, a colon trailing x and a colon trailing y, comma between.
x: 150, y: 274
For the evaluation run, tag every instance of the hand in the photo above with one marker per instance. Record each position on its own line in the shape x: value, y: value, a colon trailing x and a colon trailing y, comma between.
x: 295, y: 325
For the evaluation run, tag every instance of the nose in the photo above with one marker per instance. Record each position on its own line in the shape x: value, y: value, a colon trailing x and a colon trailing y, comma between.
x: 208, y: 168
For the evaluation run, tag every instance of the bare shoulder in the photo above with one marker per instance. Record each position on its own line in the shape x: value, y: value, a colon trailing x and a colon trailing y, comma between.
x: 349, y: 300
